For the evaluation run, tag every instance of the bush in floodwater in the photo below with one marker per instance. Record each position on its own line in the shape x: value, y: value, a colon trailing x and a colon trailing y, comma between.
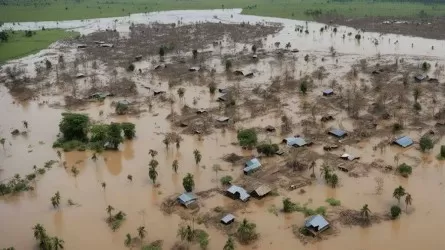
x: 397, y: 127
x: 129, y: 130
x: 404, y: 169
x: 226, y: 180
x: 426, y: 143
x: 426, y: 66
x: 267, y: 149
x: 247, y: 137
x: 395, y: 211
x: 131, y: 67
x: 333, y: 202
x: 358, y: 37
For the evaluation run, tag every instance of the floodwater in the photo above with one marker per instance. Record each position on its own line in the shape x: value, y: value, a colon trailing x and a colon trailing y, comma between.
x: 84, y: 227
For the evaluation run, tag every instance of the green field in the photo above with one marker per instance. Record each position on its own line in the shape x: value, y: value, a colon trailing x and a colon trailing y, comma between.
x: 19, y: 45
x: 50, y: 10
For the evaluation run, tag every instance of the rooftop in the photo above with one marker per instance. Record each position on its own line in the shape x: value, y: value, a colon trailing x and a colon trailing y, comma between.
x: 241, y: 192
x: 404, y: 141
x: 262, y: 190
x: 187, y: 198
x: 317, y: 222
x: 251, y: 165
x: 328, y: 92
x: 338, y: 132
x: 228, y: 219
x: 295, y: 141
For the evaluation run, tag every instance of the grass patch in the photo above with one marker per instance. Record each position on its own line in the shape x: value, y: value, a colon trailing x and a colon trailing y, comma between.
x: 49, y: 10
x: 333, y: 202
x: 289, y: 207
x: 19, y: 45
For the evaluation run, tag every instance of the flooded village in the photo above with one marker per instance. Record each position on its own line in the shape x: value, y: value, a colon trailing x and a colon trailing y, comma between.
x: 216, y: 130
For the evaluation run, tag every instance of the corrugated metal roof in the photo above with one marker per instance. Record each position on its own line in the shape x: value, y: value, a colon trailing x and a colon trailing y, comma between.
x: 317, y: 221
x: 187, y: 198
x: 243, y: 195
x: 262, y: 190
x: 328, y: 91
x: 228, y: 218
x: 295, y: 141
x: 252, y: 165
x: 404, y: 141
x: 337, y: 132
x: 349, y: 157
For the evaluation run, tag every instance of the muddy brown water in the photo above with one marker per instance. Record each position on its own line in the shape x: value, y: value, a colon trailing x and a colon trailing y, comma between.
x: 84, y: 227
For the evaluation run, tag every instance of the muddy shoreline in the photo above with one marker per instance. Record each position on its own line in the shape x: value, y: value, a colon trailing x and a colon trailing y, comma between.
x: 432, y: 28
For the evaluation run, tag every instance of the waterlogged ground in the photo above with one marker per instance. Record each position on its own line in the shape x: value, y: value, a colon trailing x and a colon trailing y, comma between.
x: 84, y: 227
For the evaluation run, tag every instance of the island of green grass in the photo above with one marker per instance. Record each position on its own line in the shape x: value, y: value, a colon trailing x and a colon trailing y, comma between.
x: 19, y: 44
x: 50, y: 10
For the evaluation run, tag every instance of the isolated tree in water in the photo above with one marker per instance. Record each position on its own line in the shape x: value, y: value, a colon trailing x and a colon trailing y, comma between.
x: 230, y: 245
x: 109, y: 209
x: 246, y: 232
x: 128, y: 241
x: 364, y: 212
x: 188, y: 183
x: 399, y: 193
x: 408, y: 201
x: 197, y: 156
x: 2, y: 141
x: 130, y: 177
x: 153, y: 174
x: 175, y: 166
x: 153, y: 153
x: 142, y: 232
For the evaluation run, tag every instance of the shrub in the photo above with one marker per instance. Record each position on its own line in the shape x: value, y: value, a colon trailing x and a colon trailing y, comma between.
x: 48, y: 64
x: 129, y: 130
x: 267, y: 149
x: 247, y: 137
x: 131, y: 67
x: 404, y: 169
x: 397, y: 127
x: 426, y: 143
x: 395, y: 211
x: 426, y: 66
x: 226, y: 180
x: 228, y: 64
x: 74, y: 126
x: 333, y: 202
x: 121, y: 108
x: 289, y: 206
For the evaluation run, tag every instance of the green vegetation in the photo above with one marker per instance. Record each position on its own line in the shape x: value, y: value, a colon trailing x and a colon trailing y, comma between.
x: 230, y: 245
x: 115, y: 221
x: 289, y: 207
x: 441, y: 155
x: 47, y: 10
x: 333, y: 202
x: 45, y: 241
x: 365, y: 211
x: 395, y: 211
x: 247, y: 138
x: 329, y: 177
x: 246, y: 232
x: 186, y: 233
x: 267, y: 149
x: 18, y: 44
x: 188, y: 183
x: 78, y: 134
x: 404, y: 169
x: 226, y: 180
x: 197, y: 156
x: 426, y: 143
x: 399, y: 193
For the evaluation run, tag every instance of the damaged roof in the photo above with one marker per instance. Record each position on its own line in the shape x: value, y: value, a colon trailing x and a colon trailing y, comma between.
x: 234, y: 190
x: 251, y: 165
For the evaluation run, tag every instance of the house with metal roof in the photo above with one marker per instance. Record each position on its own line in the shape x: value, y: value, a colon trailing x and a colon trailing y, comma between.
x: 349, y: 157
x: 296, y: 141
x: 227, y: 219
x: 420, y: 77
x: 316, y: 224
x: 237, y: 192
x: 328, y: 92
x: 261, y: 191
x: 187, y: 199
x: 251, y: 166
x: 338, y: 133
x: 404, y: 141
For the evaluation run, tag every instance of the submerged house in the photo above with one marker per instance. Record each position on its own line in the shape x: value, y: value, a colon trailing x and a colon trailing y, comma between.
x: 227, y: 219
x: 237, y: 192
x: 187, y: 199
x: 316, y: 224
x: 404, y: 141
x: 261, y: 191
x: 296, y: 141
x: 251, y: 166
x: 338, y: 133
x: 349, y: 157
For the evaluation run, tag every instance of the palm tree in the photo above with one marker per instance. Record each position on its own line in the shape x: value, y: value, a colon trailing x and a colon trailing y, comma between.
x: 178, y: 140
x: 142, y: 232
x: 104, y: 185
x: 39, y: 231
x: 153, y: 163
x: 153, y: 174
x: 312, y: 166
x: 246, y: 231
x: 75, y: 171
x: 57, y: 243
x: 109, y: 210
x: 326, y: 172
x: 175, y: 166
x: 364, y: 212
x: 166, y: 141
x: 128, y: 241
x: 399, y: 193
x: 197, y: 155
x: 408, y: 200
x: 153, y: 153
x: 130, y: 177
x: 230, y: 245
x: 54, y: 202
x: 333, y: 180
x: 57, y: 196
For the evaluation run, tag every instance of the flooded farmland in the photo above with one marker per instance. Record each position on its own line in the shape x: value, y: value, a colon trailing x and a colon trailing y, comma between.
x: 373, y: 83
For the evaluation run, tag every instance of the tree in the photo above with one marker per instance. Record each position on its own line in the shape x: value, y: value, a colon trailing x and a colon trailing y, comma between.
x: 109, y: 210
x: 246, y: 232
x: 426, y: 143
x: 254, y: 48
x: 175, y: 166
x: 399, y: 193
x: 303, y: 87
x: 197, y: 156
x: 247, y: 137
x: 114, y: 137
x: 4, y: 36
x: 416, y: 93
x: 94, y: 157
x: 104, y: 185
x: 57, y: 243
x: 153, y: 174
x: 129, y: 130
x: 131, y: 67
x: 55, y: 200
x: 228, y: 65
x: 364, y: 212
x: 75, y: 171
x: 153, y: 163
x: 195, y: 54
x: 186, y: 233
x: 326, y: 172
x: 395, y: 211
x: 188, y: 183
x: 267, y: 149
x: 230, y: 244
x: 2, y: 141
x: 128, y: 241
x: 142, y: 232
x: 161, y: 51
x: 312, y: 166
x: 130, y: 177
x: 404, y: 169
x: 408, y: 200
x: 25, y: 124
x: 288, y: 206
x: 333, y: 180
x: 39, y: 231
x: 181, y: 92
x: 74, y: 126
x: 48, y: 64
x: 166, y: 141
x: 153, y: 153
x: 226, y: 180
